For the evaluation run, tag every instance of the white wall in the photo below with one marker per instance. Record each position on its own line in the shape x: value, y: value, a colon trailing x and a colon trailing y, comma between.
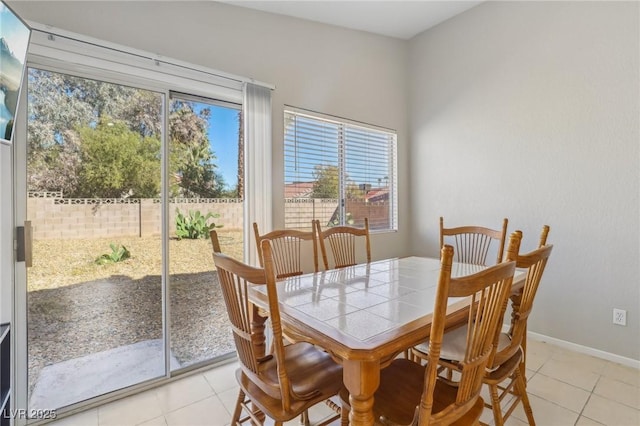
x: 319, y: 67
x: 530, y: 110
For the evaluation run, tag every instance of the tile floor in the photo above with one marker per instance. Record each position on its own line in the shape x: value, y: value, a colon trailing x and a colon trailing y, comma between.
x: 565, y: 388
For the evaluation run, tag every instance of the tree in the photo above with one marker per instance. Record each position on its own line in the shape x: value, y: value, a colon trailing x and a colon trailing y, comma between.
x: 142, y: 113
x: 54, y: 113
x: 198, y: 177
x: 59, y: 105
x: 326, y: 181
x: 117, y: 162
x: 191, y: 160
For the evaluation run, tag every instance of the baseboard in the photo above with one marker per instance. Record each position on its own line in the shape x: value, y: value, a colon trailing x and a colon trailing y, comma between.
x: 629, y: 362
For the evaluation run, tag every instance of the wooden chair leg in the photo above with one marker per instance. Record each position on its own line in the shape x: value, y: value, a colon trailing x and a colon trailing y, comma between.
x: 344, y: 416
x: 304, y: 418
x: 238, y: 410
x: 495, y: 406
x: 523, y: 364
x: 522, y: 390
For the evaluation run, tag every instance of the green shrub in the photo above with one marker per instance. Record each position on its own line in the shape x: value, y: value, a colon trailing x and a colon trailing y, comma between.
x: 194, y: 225
x: 118, y: 254
x: 349, y: 220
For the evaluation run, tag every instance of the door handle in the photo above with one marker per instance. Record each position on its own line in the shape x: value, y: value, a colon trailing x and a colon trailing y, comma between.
x: 24, y: 240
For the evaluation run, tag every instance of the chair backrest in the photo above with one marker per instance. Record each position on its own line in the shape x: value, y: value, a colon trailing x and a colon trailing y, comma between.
x: 276, y: 326
x: 289, y: 250
x: 342, y: 242
x: 473, y: 243
x: 543, y: 235
x: 535, y: 263
x: 488, y: 291
x: 236, y: 279
x: 215, y: 242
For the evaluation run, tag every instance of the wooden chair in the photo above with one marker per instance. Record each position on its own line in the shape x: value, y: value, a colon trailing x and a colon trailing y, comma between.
x: 515, y: 299
x: 342, y: 241
x: 287, y: 383
x: 412, y: 394
x: 509, y: 361
x: 288, y: 250
x: 472, y: 243
x: 505, y: 370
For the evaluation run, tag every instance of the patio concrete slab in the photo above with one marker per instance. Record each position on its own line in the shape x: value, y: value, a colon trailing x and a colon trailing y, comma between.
x: 78, y: 379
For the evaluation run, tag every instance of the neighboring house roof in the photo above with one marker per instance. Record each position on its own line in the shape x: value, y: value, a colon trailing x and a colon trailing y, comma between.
x: 377, y: 194
x: 298, y: 189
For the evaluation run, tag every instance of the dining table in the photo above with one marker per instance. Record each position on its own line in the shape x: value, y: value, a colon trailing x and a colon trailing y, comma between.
x: 366, y: 315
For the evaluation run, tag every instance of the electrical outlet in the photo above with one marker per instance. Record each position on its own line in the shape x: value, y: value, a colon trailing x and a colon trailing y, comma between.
x: 619, y: 316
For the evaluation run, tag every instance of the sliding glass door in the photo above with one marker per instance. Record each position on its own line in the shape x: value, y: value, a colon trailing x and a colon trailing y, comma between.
x: 123, y: 184
x: 94, y: 290
x: 205, y: 192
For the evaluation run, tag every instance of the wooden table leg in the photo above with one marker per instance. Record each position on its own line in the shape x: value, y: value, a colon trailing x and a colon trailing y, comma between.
x: 257, y: 324
x: 361, y: 379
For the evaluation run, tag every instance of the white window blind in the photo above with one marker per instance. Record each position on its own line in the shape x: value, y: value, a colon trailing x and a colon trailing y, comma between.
x: 339, y: 172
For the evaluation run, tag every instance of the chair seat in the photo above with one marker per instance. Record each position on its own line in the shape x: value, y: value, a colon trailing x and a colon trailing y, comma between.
x: 314, y: 377
x: 400, y: 391
x: 454, y: 344
x: 505, y: 369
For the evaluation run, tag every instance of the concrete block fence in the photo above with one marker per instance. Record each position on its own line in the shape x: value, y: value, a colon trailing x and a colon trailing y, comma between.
x: 54, y: 217
x: 74, y: 218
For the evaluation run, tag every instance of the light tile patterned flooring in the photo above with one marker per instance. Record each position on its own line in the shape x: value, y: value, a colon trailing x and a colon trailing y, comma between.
x: 565, y: 388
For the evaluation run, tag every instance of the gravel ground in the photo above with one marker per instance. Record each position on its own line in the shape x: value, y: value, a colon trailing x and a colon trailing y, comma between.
x: 77, y: 307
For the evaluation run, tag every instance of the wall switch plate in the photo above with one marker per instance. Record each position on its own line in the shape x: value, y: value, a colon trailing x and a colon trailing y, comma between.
x: 619, y: 316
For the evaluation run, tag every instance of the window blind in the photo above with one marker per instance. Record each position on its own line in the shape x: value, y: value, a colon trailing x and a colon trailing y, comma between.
x: 339, y: 172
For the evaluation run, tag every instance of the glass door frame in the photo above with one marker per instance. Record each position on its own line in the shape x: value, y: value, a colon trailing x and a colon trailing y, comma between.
x: 19, y: 316
x: 20, y: 215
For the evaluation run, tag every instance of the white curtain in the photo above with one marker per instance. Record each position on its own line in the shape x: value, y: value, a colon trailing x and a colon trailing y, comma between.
x: 257, y: 160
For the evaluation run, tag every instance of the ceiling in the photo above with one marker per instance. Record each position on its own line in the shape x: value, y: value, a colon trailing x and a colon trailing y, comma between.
x: 400, y: 18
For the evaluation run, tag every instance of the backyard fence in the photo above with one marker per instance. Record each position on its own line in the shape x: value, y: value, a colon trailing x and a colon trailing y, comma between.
x: 72, y: 218
x: 299, y: 212
x: 54, y: 217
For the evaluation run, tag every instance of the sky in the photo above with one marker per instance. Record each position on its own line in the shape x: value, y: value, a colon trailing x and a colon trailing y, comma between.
x: 223, y: 137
